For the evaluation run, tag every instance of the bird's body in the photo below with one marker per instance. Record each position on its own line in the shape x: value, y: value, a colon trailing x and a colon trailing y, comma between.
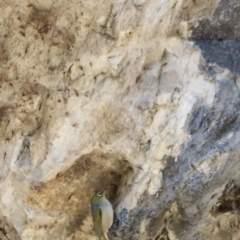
x: 102, y: 213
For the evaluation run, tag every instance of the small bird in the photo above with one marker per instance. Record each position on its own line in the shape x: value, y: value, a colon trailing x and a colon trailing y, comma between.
x: 102, y: 214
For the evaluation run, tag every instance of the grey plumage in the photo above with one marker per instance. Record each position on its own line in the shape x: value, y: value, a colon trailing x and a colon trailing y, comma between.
x: 102, y: 213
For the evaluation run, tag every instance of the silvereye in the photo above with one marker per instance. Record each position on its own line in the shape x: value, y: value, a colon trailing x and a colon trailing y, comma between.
x: 102, y: 214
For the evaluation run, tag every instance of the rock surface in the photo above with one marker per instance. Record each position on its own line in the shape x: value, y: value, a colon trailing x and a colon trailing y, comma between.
x: 141, y: 97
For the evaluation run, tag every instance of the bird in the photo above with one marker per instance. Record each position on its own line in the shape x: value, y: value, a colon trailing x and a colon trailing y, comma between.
x: 102, y: 214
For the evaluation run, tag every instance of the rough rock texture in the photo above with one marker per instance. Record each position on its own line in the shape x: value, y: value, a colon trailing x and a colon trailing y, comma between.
x: 141, y: 97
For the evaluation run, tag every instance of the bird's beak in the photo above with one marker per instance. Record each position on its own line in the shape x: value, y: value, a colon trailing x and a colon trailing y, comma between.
x: 104, y: 191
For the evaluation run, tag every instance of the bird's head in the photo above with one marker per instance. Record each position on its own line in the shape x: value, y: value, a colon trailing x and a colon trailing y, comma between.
x: 98, y: 197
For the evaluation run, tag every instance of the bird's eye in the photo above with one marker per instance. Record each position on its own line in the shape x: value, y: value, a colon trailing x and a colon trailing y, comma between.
x: 99, y: 194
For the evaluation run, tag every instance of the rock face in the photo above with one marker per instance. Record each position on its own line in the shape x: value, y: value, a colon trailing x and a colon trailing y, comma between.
x: 139, y: 97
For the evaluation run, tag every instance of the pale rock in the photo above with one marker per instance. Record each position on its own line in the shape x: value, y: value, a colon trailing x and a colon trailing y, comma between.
x: 139, y: 97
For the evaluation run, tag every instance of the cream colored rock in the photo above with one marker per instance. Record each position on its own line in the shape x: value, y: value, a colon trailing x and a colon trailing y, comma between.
x: 118, y: 95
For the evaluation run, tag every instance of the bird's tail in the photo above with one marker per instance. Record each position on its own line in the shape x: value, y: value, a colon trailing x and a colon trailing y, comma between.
x: 105, y: 236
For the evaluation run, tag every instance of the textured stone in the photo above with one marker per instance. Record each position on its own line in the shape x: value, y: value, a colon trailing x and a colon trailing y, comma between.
x: 138, y: 97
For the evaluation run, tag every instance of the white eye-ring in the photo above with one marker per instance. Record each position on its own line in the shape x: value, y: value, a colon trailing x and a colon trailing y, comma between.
x: 99, y: 194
